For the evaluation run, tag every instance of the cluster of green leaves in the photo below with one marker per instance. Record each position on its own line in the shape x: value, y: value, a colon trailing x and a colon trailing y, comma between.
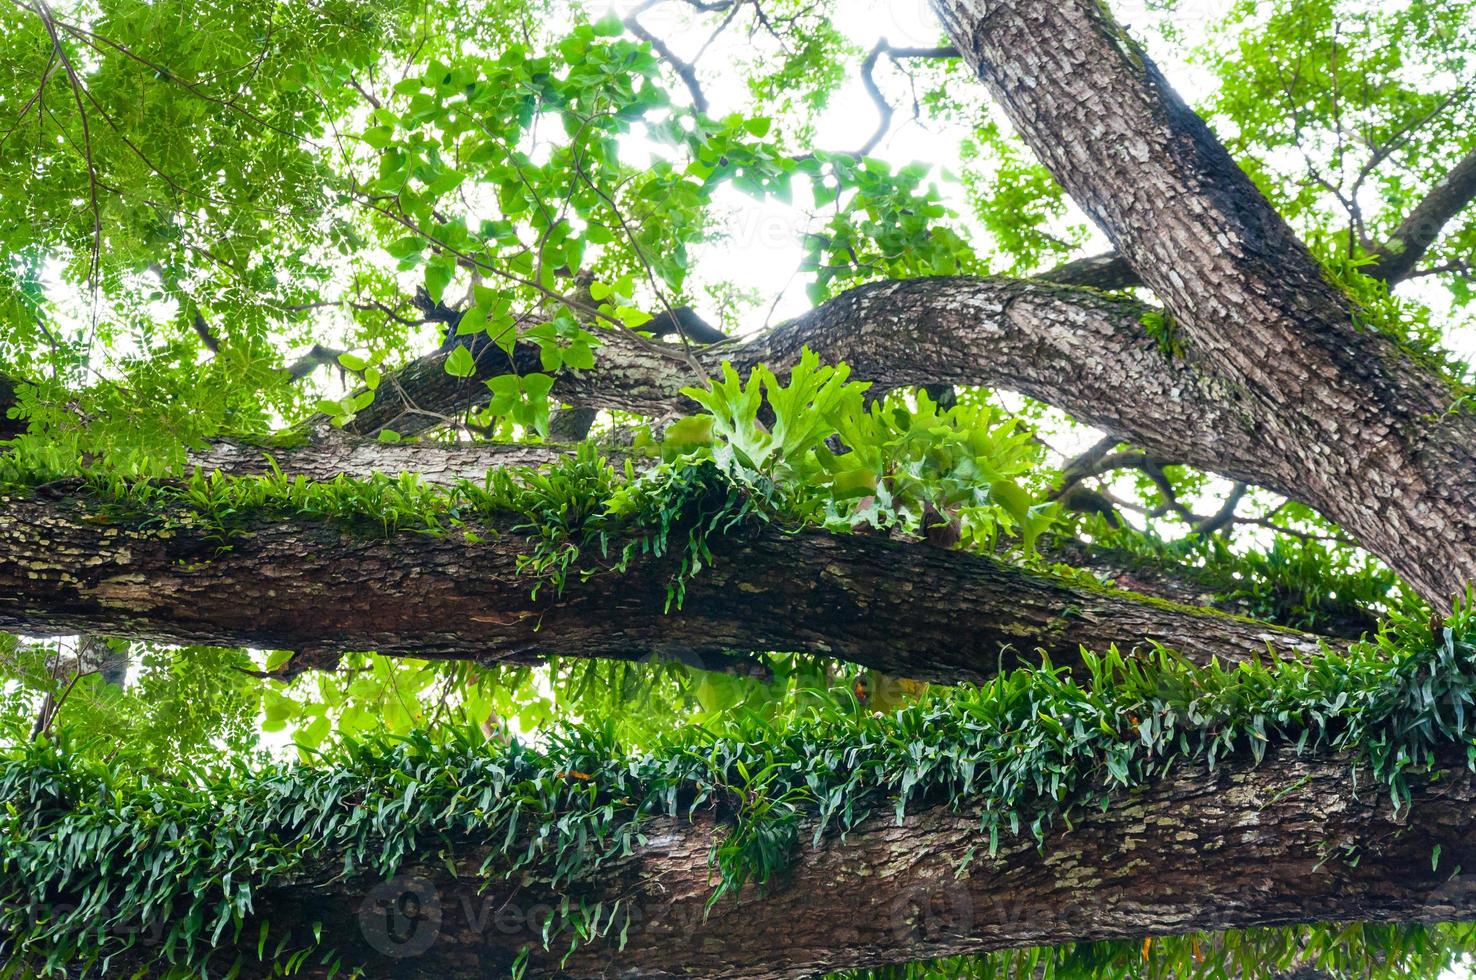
x: 1020, y: 752
x: 888, y: 227
x: 230, y: 217
x: 895, y: 462
x: 150, y: 181
x: 1017, y: 201
x: 638, y: 702
x: 457, y: 139
x: 180, y: 707
x: 209, y: 144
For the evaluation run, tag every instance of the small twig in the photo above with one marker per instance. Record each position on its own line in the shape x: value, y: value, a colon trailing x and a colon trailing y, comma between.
x: 50, y: 710
x: 884, y: 108
x: 1225, y: 517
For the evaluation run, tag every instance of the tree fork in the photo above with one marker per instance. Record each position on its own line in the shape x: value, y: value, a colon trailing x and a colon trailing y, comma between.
x: 1249, y: 298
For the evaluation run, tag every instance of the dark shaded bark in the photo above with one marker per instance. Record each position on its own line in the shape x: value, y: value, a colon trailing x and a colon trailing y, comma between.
x: 572, y: 424
x: 1251, y: 304
x: 909, y: 610
x: 9, y: 427
x: 1106, y: 271
x: 1191, y: 585
x: 1288, y: 841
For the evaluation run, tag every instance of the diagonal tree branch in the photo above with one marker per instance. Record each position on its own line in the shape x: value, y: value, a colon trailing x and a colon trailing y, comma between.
x: 1107, y: 271
x: 1423, y: 225
x: 1249, y: 301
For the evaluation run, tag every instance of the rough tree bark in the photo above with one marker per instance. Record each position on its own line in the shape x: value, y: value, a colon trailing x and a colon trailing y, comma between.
x: 334, y: 454
x: 1242, y: 846
x: 1083, y: 351
x: 1348, y: 422
x: 319, y: 590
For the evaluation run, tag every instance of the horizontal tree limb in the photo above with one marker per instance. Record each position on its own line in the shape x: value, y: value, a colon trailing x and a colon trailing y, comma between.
x: 440, y: 464
x: 1287, y: 841
x: 1085, y: 352
x: 908, y: 610
x: 333, y: 454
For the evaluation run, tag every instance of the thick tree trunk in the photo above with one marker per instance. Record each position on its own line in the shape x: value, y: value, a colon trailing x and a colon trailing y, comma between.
x: 1347, y: 421
x: 909, y: 610
x: 1289, y: 841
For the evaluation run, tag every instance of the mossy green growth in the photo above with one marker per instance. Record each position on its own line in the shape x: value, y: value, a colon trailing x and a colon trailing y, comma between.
x: 1301, y: 584
x: 1019, y: 753
x: 580, y: 517
x: 901, y: 467
x: 1408, y: 323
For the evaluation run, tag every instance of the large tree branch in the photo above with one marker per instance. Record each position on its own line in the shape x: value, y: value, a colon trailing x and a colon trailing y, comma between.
x: 334, y: 454
x: 68, y: 567
x: 1087, y: 353
x: 1288, y: 841
x: 1250, y: 301
x: 337, y: 454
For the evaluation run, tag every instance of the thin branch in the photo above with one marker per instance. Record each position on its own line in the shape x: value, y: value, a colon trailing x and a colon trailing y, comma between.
x: 1225, y: 517
x: 884, y: 107
x: 202, y: 330
x: 44, y: 12
x: 685, y: 70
